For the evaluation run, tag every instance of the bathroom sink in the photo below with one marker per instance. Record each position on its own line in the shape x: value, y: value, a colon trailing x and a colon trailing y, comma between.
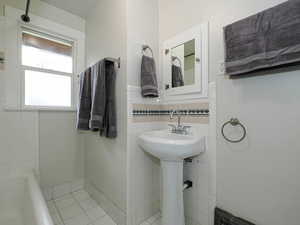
x: 169, y: 146
x: 172, y: 149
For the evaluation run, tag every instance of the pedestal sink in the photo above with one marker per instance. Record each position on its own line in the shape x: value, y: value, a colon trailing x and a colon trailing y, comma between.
x: 172, y: 149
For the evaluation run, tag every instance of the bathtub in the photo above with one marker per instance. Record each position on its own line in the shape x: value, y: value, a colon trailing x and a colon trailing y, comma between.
x: 22, y: 202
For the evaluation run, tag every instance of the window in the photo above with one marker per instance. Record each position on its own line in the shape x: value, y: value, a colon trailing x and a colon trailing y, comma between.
x: 47, y: 64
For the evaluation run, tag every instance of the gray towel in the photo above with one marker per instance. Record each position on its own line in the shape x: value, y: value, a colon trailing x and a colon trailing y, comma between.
x: 266, y: 40
x: 103, y: 112
x: 109, y: 128
x: 177, y: 78
x: 148, y: 78
x: 98, y: 95
x: 84, y: 104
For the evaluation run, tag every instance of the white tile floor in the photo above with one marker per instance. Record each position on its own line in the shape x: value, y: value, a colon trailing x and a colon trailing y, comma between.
x: 153, y: 220
x: 78, y: 208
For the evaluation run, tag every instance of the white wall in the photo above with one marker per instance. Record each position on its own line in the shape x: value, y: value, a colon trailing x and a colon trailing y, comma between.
x: 47, y: 11
x: 61, y: 149
x: 39, y: 140
x: 143, y: 171
x: 106, y: 158
x: 256, y: 179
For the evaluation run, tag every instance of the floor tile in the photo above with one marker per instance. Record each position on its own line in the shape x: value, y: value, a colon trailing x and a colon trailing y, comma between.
x: 88, y: 204
x: 145, y: 223
x: 95, y: 213
x: 78, y: 208
x: 56, y: 219
x: 157, y: 222
x: 51, y: 207
x: 78, y: 220
x: 65, y: 201
x: 71, y: 211
x: 81, y: 195
x: 106, y: 220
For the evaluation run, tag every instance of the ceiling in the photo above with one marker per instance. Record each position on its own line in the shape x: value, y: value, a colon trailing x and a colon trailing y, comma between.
x: 77, y: 7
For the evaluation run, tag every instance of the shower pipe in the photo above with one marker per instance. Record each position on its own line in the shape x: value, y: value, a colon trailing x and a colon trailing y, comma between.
x: 25, y: 18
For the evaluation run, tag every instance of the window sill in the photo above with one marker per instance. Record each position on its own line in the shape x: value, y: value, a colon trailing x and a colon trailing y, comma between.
x: 39, y: 109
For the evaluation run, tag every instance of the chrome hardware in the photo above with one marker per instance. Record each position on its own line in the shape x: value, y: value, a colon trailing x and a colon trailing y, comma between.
x: 234, y: 122
x: 179, y: 129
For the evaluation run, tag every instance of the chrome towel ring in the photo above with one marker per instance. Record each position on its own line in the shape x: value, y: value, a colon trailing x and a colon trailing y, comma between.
x: 234, y: 122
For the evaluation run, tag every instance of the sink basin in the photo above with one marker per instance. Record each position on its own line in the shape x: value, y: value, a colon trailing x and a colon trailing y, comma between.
x: 172, y: 149
x: 170, y: 146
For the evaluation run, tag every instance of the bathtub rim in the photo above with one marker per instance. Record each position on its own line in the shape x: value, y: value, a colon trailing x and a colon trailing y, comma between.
x: 40, y: 208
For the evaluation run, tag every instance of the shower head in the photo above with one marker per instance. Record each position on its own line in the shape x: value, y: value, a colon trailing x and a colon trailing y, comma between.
x: 25, y: 18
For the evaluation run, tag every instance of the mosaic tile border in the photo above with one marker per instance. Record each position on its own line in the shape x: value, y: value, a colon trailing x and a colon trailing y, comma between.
x: 190, y: 113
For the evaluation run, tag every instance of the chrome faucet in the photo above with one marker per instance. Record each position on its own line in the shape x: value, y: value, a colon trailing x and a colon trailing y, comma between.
x: 179, y: 129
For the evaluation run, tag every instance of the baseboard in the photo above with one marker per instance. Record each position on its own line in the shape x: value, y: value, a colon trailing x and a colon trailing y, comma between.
x: 118, y: 215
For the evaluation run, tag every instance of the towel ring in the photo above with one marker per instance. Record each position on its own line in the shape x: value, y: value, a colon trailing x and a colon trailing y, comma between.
x: 234, y: 122
x: 145, y: 47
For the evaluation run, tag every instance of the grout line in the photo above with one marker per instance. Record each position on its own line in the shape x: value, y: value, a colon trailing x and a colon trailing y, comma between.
x: 58, y: 212
x: 85, y: 212
x: 78, y: 202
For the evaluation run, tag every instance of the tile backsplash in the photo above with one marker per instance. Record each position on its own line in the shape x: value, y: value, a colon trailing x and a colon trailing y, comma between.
x: 191, y: 113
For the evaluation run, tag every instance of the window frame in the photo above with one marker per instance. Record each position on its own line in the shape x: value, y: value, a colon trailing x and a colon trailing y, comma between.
x: 52, y: 35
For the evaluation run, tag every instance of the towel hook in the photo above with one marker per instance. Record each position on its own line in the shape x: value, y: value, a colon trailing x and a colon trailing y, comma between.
x: 144, y: 49
x: 234, y: 122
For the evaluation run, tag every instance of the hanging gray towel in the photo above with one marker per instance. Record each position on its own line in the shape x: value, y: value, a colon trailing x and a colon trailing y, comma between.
x: 177, y: 78
x: 109, y: 128
x: 85, y: 101
x: 103, y: 112
x: 148, y: 78
x: 98, y: 95
x: 266, y: 40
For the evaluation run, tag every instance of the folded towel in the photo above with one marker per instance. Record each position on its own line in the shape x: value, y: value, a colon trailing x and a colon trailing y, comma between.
x: 148, y: 78
x: 177, y: 78
x: 268, y: 39
x: 98, y: 95
x: 103, y: 110
x: 84, y: 104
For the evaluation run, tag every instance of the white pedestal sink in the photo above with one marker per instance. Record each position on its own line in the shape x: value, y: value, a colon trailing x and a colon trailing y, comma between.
x: 172, y: 149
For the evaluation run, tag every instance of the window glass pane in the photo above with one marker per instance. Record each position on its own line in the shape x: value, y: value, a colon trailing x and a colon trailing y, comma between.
x: 45, y: 89
x: 46, y: 54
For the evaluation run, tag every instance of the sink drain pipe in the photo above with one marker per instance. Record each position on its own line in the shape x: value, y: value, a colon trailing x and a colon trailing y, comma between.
x: 187, y: 184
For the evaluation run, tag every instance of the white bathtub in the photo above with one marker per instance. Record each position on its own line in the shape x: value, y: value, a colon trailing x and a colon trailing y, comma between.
x: 22, y: 203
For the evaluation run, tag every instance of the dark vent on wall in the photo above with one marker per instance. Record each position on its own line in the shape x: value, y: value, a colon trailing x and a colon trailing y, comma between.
x: 225, y: 218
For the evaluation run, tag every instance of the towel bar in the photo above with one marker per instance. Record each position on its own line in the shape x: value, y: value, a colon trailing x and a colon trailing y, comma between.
x: 118, y: 61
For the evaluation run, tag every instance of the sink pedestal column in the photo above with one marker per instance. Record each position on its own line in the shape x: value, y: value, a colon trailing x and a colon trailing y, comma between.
x: 172, y: 200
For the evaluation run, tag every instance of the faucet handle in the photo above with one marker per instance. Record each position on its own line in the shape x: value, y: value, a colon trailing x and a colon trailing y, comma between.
x: 186, y: 128
x: 172, y: 126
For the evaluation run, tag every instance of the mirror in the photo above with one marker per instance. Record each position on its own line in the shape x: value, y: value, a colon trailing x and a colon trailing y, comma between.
x: 183, y: 64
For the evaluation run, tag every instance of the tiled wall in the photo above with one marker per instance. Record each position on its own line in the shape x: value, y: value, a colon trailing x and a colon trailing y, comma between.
x: 190, y: 113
